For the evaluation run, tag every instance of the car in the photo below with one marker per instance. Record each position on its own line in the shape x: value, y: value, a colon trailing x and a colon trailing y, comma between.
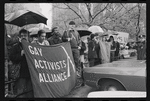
x: 124, y: 52
x: 117, y: 94
x: 122, y: 75
x: 127, y: 53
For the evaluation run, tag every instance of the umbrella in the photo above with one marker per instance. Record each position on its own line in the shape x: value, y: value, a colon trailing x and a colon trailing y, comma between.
x: 34, y: 30
x: 101, y: 34
x: 84, y: 32
x: 25, y: 17
x: 95, y: 29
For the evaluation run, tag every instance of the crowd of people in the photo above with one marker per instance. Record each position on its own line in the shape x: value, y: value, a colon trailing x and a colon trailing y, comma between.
x: 15, y: 54
x: 101, y: 49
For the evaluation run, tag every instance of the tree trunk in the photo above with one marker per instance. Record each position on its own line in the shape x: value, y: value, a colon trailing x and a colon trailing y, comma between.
x: 138, y: 27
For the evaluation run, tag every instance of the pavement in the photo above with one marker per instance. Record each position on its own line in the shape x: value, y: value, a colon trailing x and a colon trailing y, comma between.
x: 80, y: 91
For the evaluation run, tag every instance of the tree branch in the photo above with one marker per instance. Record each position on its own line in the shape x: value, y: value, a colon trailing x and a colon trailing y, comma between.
x: 89, y: 10
x: 122, y: 14
x: 74, y: 12
x: 114, y: 14
x: 81, y: 13
x: 138, y: 27
x: 123, y: 6
x: 59, y: 7
x: 99, y: 12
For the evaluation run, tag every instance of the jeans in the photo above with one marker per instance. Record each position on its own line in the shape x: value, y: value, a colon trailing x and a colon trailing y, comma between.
x: 76, y: 56
x: 112, y: 56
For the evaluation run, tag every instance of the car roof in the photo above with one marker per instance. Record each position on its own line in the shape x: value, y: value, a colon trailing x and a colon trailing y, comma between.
x: 133, y: 67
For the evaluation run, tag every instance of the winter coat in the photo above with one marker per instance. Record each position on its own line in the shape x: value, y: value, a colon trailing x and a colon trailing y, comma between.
x: 83, y: 48
x: 91, y: 50
x: 15, y: 57
x: 105, y: 51
x: 55, y: 39
x: 75, y: 38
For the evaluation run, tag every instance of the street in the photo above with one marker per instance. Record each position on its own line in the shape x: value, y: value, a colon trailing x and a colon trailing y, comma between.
x: 82, y: 92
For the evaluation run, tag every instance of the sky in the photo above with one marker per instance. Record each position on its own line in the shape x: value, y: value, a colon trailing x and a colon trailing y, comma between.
x: 47, y: 11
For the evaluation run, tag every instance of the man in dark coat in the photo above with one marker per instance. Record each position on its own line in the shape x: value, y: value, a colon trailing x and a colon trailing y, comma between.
x: 92, y: 55
x: 23, y: 84
x: 56, y: 37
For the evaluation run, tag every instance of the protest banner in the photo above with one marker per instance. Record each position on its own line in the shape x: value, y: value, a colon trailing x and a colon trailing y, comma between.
x: 123, y: 37
x: 51, y: 68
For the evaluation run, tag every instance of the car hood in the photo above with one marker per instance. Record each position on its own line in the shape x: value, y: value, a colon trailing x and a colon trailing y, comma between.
x: 116, y: 94
x: 117, y: 71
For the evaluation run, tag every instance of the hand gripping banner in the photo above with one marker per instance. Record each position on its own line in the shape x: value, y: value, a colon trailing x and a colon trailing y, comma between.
x: 51, y: 68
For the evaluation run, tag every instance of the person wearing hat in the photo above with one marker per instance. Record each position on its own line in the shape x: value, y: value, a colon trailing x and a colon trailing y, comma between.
x: 71, y: 35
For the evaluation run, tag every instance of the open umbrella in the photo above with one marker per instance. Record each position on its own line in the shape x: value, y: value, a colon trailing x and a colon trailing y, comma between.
x: 84, y: 32
x: 101, y: 34
x: 25, y: 17
x: 35, y: 30
x: 95, y: 29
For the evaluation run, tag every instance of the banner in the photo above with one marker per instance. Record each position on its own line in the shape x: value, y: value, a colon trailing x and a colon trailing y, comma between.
x: 52, y: 69
x: 122, y: 37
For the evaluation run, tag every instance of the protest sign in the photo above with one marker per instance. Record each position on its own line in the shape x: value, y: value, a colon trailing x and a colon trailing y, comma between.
x: 51, y: 68
x: 122, y: 37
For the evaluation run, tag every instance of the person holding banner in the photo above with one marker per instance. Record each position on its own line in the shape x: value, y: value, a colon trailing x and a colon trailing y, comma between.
x: 41, y: 38
x: 71, y: 35
x: 17, y: 56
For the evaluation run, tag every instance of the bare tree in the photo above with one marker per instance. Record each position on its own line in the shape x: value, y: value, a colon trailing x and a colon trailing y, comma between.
x: 110, y: 16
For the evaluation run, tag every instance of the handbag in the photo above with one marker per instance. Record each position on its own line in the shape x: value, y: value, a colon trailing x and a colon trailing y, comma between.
x: 14, y: 71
